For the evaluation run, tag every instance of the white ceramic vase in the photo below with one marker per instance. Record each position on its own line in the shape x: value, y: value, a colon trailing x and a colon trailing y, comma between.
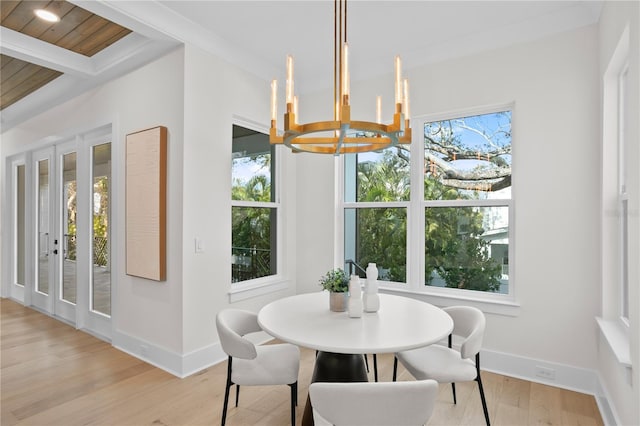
x: 371, y: 300
x: 355, y: 297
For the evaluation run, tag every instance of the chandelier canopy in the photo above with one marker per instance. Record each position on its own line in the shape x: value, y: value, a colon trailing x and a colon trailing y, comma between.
x: 341, y: 135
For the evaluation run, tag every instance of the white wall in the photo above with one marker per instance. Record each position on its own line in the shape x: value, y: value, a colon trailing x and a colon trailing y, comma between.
x: 143, y: 310
x: 215, y: 93
x: 553, y: 83
x: 315, y: 219
x: 622, y: 385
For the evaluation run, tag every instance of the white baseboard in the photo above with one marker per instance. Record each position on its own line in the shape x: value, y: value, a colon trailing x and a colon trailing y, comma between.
x: 564, y: 376
x: 172, y: 362
x: 607, y: 412
x: 160, y: 357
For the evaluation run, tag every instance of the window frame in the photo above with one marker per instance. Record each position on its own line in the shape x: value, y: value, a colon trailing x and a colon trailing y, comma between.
x: 614, y: 329
x: 490, y: 302
x: 623, y: 195
x: 242, y: 290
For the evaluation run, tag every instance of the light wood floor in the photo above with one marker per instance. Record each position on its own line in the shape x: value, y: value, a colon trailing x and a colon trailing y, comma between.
x: 52, y: 374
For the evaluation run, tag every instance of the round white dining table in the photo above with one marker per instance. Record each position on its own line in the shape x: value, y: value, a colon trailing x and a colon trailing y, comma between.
x: 401, y: 323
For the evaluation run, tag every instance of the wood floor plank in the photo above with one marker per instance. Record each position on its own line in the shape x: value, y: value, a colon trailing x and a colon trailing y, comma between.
x: 52, y: 374
x: 545, y: 405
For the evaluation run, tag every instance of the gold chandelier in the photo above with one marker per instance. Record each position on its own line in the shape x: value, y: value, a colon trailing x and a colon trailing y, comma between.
x: 339, y: 133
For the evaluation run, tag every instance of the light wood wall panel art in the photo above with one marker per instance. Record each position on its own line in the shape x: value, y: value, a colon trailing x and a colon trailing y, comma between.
x: 146, y: 217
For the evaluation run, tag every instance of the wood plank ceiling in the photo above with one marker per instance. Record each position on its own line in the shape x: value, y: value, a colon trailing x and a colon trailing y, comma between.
x: 78, y: 30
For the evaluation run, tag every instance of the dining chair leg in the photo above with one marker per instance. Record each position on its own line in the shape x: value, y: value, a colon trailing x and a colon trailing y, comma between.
x: 237, y: 394
x: 375, y: 367
x: 481, y: 389
x: 224, y: 407
x: 226, y: 393
x: 453, y: 385
x: 294, y: 402
x: 484, y: 401
x: 395, y: 367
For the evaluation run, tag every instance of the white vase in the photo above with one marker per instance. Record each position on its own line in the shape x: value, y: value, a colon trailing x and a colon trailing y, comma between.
x: 355, y: 297
x: 372, y: 271
x: 371, y: 300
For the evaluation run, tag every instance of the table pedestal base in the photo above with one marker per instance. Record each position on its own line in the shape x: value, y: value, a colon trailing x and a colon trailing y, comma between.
x: 333, y: 367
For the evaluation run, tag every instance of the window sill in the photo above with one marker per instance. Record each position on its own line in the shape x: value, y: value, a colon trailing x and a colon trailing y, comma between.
x: 500, y: 307
x: 617, y: 338
x: 255, y: 288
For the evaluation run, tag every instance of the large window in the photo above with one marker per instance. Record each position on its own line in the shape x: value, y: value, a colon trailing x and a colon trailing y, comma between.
x: 615, y: 236
x: 435, y: 216
x: 467, y: 186
x: 623, y: 195
x: 254, y: 204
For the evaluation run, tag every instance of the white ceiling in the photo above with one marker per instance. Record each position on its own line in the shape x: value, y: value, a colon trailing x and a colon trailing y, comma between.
x: 257, y: 36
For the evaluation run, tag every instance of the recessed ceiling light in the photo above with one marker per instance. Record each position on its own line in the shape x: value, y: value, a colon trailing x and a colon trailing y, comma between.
x: 46, y: 15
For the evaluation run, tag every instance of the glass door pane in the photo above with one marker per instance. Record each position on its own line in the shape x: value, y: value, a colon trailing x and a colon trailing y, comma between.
x: 69, y: 210
x: 42, y: 282
x: 101, y: 248
x: 20, y: 187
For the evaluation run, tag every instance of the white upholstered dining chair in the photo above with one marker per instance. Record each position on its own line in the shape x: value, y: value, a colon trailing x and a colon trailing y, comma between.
x: 407, y: 403
x: 445, y: 364
x: 251, y: 364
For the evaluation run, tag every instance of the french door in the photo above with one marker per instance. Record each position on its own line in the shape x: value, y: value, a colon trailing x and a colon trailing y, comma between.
x: 18, y: 227
x: 41, y: 292
x: 70, y: 237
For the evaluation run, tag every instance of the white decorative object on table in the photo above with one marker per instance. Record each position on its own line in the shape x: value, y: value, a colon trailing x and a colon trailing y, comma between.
x: 355, y: 297
x: 371, y: 300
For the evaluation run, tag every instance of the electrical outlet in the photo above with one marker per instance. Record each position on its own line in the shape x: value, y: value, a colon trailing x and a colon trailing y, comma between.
x: 545, y: 373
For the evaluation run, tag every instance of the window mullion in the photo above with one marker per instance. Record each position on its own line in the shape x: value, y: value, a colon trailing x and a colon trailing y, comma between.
x: 416, y: 225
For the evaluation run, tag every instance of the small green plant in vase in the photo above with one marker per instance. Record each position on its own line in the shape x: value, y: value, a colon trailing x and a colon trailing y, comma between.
x: 336, y: 282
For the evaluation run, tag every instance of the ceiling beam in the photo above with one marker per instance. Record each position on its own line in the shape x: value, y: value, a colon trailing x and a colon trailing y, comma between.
x: 45, y: 54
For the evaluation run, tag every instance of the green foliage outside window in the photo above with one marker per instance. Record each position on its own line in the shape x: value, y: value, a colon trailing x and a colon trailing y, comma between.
x: 454, y: 251
x: 100, y: 220
x: 381, y: 232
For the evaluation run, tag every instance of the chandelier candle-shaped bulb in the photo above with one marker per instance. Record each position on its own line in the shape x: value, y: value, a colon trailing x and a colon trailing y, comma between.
x: 295, y: 107
x: 289, y: 86
x: 379, y: 109
x: 345, y: 74
x: 405, y: 100
x: 274, y: 100
x: 398, y: 67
